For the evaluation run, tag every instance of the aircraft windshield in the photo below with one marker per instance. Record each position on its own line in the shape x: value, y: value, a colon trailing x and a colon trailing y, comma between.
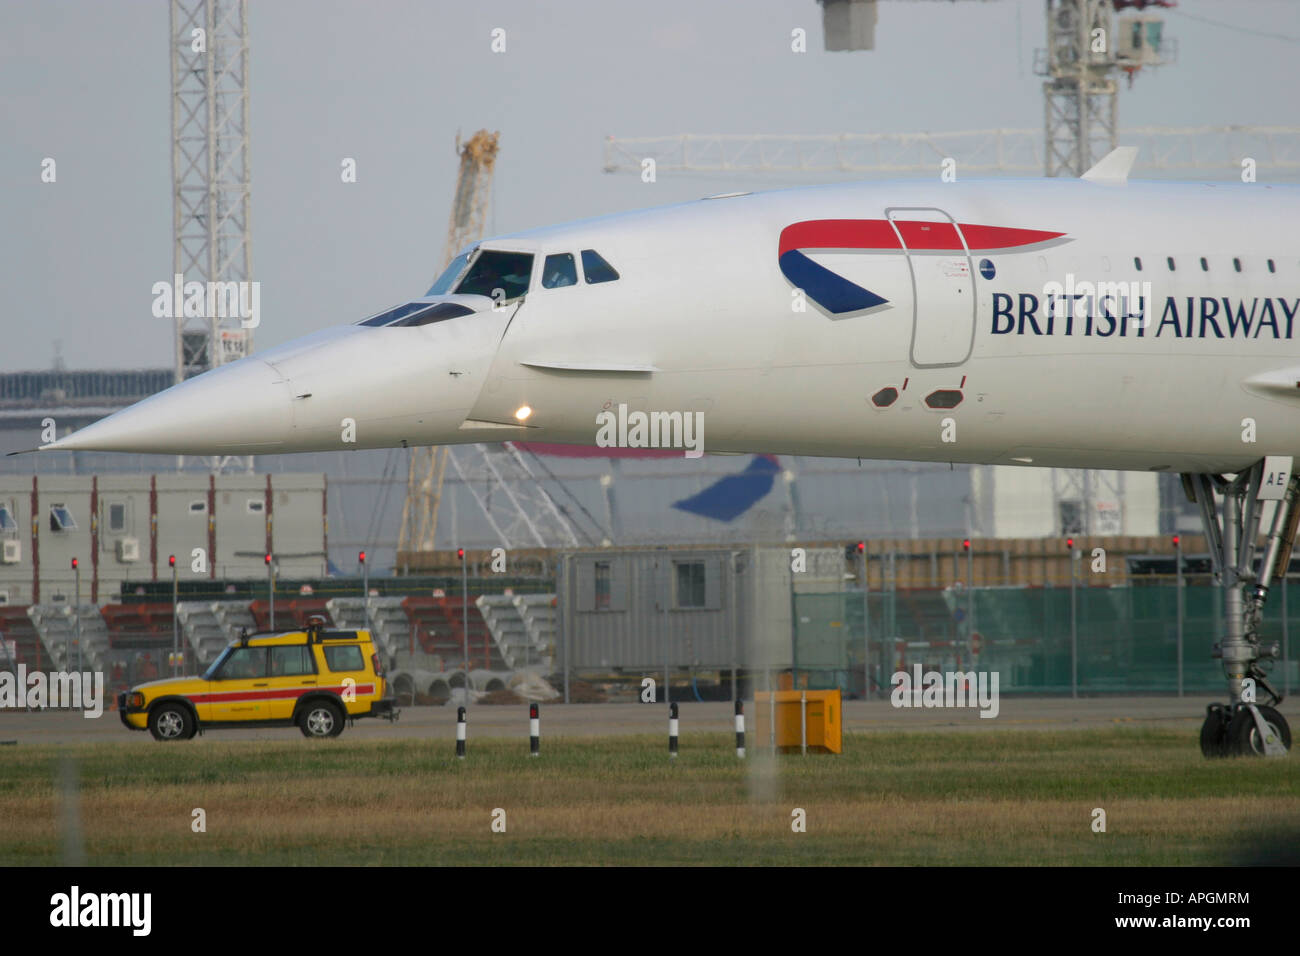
x: 417, y: 313
x: 442, y: 285
x: 496, y: 269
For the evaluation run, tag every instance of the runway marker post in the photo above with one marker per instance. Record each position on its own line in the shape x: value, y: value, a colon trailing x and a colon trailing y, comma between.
x: 740, y: 728
x: 534, y: 731
x: 672, y: 731
x: 460, y: 733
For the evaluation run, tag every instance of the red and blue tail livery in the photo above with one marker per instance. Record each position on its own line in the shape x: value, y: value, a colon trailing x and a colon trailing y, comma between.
x: 838, y: 295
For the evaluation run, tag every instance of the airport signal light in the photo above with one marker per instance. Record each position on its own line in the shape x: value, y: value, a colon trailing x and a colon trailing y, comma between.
x: 1069, y: 544
x: 267, y: 559
x: 464, y: 608
x: 1175, y: 541
x: 176, y: 657
x: 365, y: 588
x: 965, y: 544
x: 74, y: 564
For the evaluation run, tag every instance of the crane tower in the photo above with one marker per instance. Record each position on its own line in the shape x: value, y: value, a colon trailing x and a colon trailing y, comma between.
x: 211, y: 239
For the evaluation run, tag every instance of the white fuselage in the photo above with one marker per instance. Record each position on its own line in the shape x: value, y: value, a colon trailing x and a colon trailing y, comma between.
x: 1199, y: 373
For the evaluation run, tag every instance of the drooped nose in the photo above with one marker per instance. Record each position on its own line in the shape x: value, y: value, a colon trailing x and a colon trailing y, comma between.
x: 242, y: 408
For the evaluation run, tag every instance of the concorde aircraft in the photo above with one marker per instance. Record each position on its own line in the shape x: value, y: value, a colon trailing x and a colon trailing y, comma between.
x: 1090, y: 323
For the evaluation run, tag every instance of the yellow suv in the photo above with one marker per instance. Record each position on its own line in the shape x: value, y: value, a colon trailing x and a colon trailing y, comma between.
x: 313, y: 679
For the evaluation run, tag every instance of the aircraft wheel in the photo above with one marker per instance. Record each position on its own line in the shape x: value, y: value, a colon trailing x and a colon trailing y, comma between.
x: 1243, y: 735
x: 1214, y: 732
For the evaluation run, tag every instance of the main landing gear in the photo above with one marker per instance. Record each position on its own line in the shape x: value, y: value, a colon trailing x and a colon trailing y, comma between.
x: 1249, y: 725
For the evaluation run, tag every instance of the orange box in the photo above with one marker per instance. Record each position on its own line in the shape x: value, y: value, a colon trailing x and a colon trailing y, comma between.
x: 824, y: 717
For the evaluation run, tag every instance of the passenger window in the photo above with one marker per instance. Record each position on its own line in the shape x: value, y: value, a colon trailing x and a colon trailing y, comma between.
x: 244, y: 663
x: 495, y: 269
x: 1236, y: 264
x: 595, y: 268
x: 1271, y: 267
x: 559, y: 270
x: 346, y: 657
x: 1205, y: 266
x: 1170, y: 261
x: 291, y: 661
x: 1137, y: 263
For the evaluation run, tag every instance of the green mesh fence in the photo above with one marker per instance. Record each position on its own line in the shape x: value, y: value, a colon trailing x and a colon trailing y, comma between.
x: 1127, y: 637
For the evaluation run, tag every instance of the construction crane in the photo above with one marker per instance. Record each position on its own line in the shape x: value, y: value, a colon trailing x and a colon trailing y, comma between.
x: 427, y: 466
x: 1082, y: 62
x: 211, y: 196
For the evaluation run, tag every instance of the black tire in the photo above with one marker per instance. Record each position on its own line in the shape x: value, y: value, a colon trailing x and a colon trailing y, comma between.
x: 321, y: 719
x: 1214, y: 732
x: 1243, y: 734
x: 171, y: 721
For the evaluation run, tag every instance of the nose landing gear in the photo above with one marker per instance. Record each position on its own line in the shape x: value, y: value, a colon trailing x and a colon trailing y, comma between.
x: 1249, y: 725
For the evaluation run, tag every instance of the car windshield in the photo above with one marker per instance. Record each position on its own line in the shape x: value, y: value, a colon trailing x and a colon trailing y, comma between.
x: 497, y: 269
x: 215, y: 666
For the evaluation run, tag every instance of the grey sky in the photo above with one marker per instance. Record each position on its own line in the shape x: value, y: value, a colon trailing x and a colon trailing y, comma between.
x: 390, y: 84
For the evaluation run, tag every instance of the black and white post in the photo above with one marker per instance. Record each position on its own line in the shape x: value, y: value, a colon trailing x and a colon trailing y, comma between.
x: 740, y: 728
x: 672, y: 731
x: 534, y: 731
x: 460, y: 732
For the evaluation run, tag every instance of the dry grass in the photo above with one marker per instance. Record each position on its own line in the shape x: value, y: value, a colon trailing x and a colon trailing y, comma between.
x: 1010, y: 798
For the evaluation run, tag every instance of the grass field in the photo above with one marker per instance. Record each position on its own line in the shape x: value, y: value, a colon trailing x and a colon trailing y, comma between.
x: 952, y: 798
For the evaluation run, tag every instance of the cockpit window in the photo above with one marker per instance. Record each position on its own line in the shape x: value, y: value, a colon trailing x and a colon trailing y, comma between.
x: 595, y: 268
x: 449, y: 275
x: 418, y: 313
x: 559, y: 270
x: 395, y: 315
x: 497, y: 269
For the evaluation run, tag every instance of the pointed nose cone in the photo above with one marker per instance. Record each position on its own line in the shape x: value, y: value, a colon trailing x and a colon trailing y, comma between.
x: 238, y: 409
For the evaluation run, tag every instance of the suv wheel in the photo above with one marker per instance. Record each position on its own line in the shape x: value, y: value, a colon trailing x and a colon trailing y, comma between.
x: 171, y: 722
x: 321, y: 718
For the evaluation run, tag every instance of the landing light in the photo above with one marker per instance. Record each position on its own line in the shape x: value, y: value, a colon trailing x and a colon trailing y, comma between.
x: 523, y: 413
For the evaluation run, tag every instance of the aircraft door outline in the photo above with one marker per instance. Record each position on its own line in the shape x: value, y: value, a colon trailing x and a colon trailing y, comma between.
x: 940, y: 287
